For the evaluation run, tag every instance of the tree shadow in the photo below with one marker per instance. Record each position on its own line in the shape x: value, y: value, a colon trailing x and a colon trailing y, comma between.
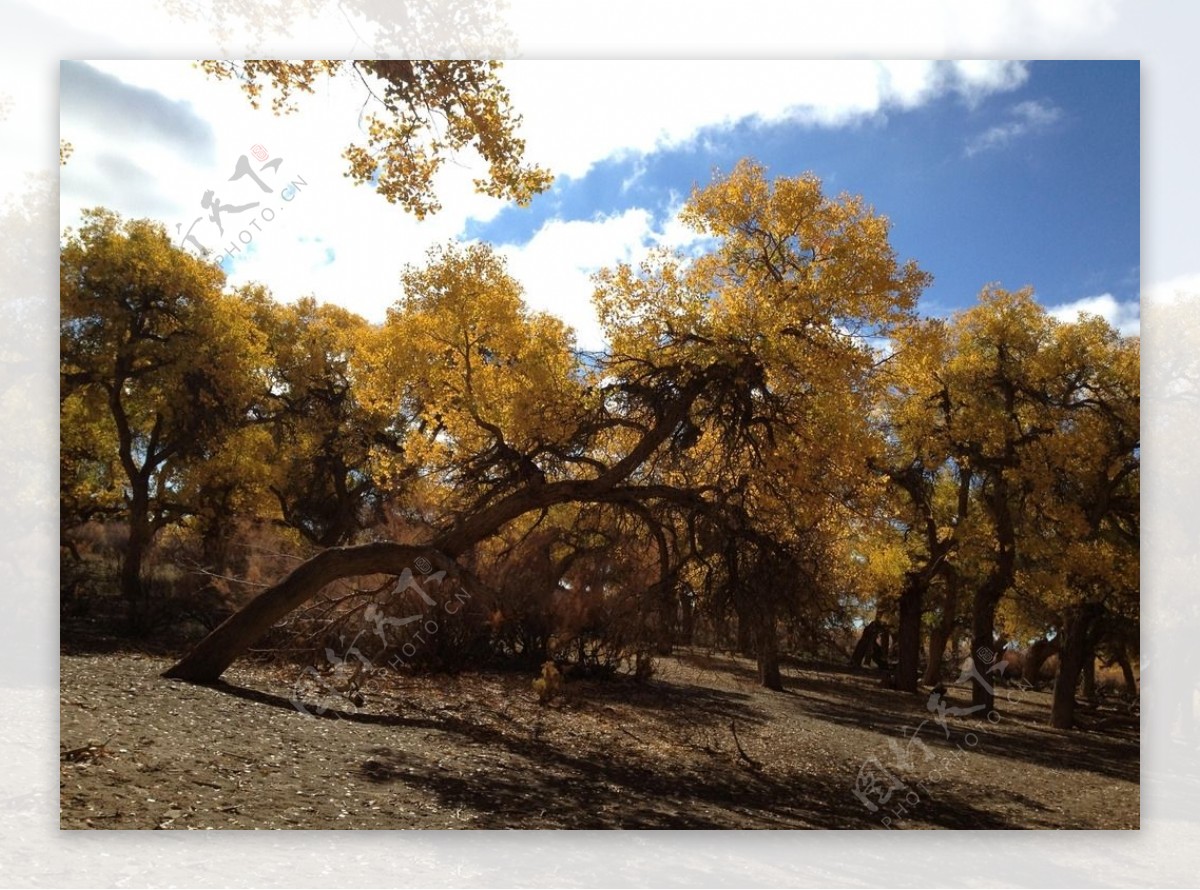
x: 1115, y: 755
x: 545, y: 787
x: 529, y: 782
x: 692, y: 702
x: 850, y: 697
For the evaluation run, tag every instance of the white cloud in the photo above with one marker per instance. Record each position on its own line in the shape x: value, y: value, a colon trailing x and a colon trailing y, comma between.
x: 569, y: 107
x: 1034, y: 113
x: 371, y: 240
x: 1024, y: 118
x: 1125, y: 316
x: 556, y: 265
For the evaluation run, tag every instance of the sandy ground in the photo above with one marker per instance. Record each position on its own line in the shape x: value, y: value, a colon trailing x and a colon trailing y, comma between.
x: 698, y: 746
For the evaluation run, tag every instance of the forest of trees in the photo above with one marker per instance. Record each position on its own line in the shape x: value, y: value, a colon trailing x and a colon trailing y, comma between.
x: 774, y: 452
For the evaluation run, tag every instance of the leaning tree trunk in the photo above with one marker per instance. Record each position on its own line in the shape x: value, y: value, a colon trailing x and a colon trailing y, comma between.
x: 908, y: 635
x: 1076, y: 649
x: 209, y: 659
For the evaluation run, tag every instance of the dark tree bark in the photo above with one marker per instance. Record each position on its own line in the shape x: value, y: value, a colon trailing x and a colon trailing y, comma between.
x: 941, y: 633
x: 883, y: 650
x: 745, y: 635
x: 1122, y: 658
x: 1035, y: 658
x: 983, y: 653
x: 767, y: 648
x: 1076, y: 649
x: 687, y: 619
x: 918, y: 582
x: 668, y: 618
x: 132, y: 588
x: 938, y: 637
x: 999, y: 580
x: 1089, y: 677
x: 209, y: 659
x: 908, y: 635
x: 141, y: 527
x: 867, y: 641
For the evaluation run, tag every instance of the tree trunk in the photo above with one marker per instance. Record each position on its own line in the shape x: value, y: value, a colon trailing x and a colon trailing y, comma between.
x: 938, y: 637
x: 668, y: 618
x: 209, y: 659
x: 883, y: 651
x: 1076, y: 648
x: 745, y: 632
x: 908, y: 636
x: 983, y: 653
x: 941, y: 633
x: 687, y: 628
x: 866, y: 643
x: 983, y: 619
x: 766, y: 646
x: 1035, y: 657
x: 1089, y: 677
x: 140, y: 533
x: 1122, y: 656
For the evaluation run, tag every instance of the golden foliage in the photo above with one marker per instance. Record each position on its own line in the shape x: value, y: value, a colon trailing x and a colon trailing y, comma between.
x: 429, y: 111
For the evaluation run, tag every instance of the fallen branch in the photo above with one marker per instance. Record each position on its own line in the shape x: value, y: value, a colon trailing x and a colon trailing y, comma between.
x: 754, y: 764
x: 631, y: 735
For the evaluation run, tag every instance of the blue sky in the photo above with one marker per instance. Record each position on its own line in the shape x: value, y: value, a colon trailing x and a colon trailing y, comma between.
x: 1038, y: 185
x: 990, y: 172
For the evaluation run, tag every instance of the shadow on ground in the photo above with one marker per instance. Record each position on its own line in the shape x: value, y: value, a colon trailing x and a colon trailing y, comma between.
x: 514, y: 779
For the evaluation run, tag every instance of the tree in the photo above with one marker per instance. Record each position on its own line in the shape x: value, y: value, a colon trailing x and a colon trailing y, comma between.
x: 155, y: 356
x: 429, y: 110
x: 323, y: 438
x: 934, y: 491
x: 1043, y: 416
x: 486, y: 395
x: 763, y: 345
x: 792, y: 298
x: 1088, y: 499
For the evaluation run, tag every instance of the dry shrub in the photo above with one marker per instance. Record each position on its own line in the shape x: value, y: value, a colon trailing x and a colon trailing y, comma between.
x: 598, y: 633
x: 525, y: 582
x: 99, y: 540
x: 549, y: 684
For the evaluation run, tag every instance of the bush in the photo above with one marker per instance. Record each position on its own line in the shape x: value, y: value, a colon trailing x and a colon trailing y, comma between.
x: 549, y: 684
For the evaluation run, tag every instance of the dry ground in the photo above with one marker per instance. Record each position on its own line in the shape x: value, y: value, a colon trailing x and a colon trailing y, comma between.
x: 478, y: 751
